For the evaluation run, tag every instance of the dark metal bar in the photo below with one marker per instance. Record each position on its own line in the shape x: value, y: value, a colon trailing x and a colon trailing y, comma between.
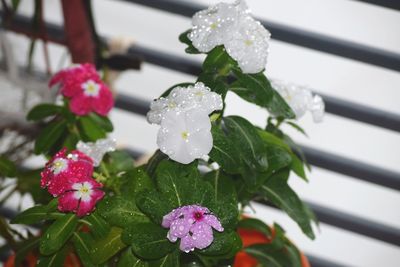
x: 352, y: 223
x: 319, y: 262
x: 353, y: 168
x: 178, y: 63
x: 393, y: 4
x: 284, y: 33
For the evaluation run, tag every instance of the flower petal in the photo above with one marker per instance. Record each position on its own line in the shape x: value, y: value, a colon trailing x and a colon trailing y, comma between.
x: 186, y: 244
x: 80, y: 104
x: 213, y: 222
x: 202, y: 235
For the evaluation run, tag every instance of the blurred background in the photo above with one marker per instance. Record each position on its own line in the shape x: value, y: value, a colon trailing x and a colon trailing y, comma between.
x: 347, y: 79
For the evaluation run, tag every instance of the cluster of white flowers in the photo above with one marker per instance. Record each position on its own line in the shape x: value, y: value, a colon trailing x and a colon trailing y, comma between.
x: 185, y: 133
x: 301, y: 99
x: 231, y: 25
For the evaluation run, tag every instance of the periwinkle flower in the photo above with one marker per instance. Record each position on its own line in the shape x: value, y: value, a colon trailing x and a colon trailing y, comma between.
x: 65, y: 168
x: 193, y: 224
x: 82, y: 85
x: 231, y: 25
x: 300, y: 99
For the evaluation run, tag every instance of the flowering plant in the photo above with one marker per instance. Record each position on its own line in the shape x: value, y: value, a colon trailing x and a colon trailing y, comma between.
x: 185, y: 206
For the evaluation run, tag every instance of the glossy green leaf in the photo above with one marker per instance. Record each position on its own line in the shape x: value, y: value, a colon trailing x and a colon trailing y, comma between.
x: 120, y: 211
x: 297, y: 127
x: 255, y: 224
x: 58, y: 233
x: 49, y: 136
x: 246, y: 138
x: 254, y: 88
x: 98, y: 226
x: 7, y: 167
x: 297, y: 167
x: 222, y: 244
x: 224, y: 188
x: 175, y: 182
x: 42, y: 111
x: 105, y: 248
x: 171, y: 260
x: 55, y: 260
x: 37, y: 214
x: 278, y: 158
x: 119, y: 161
x: 128, y: 259
x: 218, y: 61
x: 102, y: 121
x: 153, y: 205
x: 150, y: 242
x: 90, y: 129
x: 266, y: 254
x: 279, y: 108
x: 224, y: 152
x: 183, y: 37
x: 83, y: 247
x: 135, y: 181
x: 279, y: 193
x: 214, y: 82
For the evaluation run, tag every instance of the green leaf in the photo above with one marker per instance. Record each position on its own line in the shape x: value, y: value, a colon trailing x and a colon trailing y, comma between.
x: 297, y: 127
x: 98, y: 226
x: 218, y: 61
x: 224, y: 152
x: 37, y: 214
x: 83, y: 247
x: 224, y: 188
x: 279, y: 193
x: 174, y: 181
x: 214, y: 82
x: 279, y: 108
x: 105, y: 248
x: 119, y: 161
x: 298, y: 167
x: 278, y: 158
x: 183, y: 37
x: 266, y: 254
x: 150, y: 242
x: 222, y: 244
x: 55, y: 260
x: 171, y: 260
x: 254, y: 88
x: 245, y: 136
x: 120, y: 211
x: 7, y: 167
x: 58, y: 233
x: 42, y: 111
x: 135, y: 181
x: 103, y: 122
x: 128, y: 259
x: 90, y: 129
x: 153, y: 205
x: 15, y: 5
x: 255, y: 224
x: 271, y: 139
x: 49, y: 136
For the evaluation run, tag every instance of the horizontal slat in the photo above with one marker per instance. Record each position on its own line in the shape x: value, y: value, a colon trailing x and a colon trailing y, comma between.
x: 334, y: 105
x: 320, y: 42
x: 316, y: 157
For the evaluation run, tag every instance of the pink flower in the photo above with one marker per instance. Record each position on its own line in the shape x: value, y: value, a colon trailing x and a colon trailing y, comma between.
x: 193, y: 225
x: 85, y: 89
x: 63, y: 169
x: 81, y: 197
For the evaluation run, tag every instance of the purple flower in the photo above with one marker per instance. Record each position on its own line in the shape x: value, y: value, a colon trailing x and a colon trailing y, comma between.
x: 193, y: 225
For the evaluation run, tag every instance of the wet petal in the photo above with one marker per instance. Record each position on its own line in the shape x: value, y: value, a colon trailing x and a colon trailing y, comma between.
x: 202, y: 235
x: 213, y: 222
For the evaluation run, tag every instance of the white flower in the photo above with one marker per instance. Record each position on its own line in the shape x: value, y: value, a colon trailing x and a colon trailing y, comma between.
x: 198, y: 96
x: 231, y: 25
x: 185, y: 135
x: 248, y: 45
x: 300, y: 99
x: 97, y: 150
x: 211, y: 25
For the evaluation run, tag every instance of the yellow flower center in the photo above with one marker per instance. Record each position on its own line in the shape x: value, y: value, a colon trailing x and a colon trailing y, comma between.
x: 84, y: 190
x: 213, y: 26
x: 248, y: 42
x: 172, y: 105
x: 185, y: 135
x: 91, y: 88
x: 57, y: 164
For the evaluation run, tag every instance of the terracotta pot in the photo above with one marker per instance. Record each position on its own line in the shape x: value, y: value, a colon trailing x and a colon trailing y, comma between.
x: 251, y: 237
